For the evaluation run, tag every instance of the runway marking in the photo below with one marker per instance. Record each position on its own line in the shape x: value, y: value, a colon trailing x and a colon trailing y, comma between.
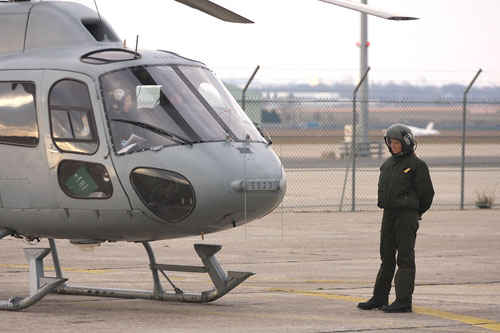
x: 474, y: 321
x: 331, y: 281
x: 271, y: 279
x: 324, y: 295
x: 80, y: 270
x: 48, y: 268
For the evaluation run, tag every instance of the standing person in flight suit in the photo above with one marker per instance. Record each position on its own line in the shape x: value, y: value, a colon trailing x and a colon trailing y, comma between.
x: 405, y: 192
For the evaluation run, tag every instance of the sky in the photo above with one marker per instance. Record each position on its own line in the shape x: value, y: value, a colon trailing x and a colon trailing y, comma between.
x: 312, y: 41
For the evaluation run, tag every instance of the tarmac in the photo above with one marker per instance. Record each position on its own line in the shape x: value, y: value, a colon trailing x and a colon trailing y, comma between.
x: 311, y: 271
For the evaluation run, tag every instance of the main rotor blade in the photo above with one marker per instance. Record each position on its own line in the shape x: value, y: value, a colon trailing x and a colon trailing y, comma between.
x: 360, y: 7
x: 215, y: 10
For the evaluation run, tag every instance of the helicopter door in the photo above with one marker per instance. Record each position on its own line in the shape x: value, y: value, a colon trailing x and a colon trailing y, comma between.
x: 24, y: 179
x: 81, y: 169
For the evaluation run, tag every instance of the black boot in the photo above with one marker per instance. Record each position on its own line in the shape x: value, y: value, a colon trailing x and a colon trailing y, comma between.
x: 398, y: 306
x: 372, y: 303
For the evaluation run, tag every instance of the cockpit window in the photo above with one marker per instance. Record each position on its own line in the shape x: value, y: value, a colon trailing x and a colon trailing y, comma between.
x: 18, y: 124
x: 155, y: 106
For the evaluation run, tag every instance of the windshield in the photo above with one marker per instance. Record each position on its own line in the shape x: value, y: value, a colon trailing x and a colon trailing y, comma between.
x: 155, y: 106
x: 222, y: 102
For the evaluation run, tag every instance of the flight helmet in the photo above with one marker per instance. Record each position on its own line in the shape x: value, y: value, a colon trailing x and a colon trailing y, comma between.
x: 118, y: 96
x: 403, y: 134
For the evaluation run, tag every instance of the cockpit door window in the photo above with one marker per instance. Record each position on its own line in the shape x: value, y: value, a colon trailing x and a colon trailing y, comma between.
x: 72, y: 123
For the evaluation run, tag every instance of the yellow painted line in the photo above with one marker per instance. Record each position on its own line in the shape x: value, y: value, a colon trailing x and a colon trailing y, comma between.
x: 91, y: 271
x: 79, y: 270
x: 334, y: 281
x: 316, y: 294
x: 256, y: 279
x: 227, y: 312
x: 474, y: 321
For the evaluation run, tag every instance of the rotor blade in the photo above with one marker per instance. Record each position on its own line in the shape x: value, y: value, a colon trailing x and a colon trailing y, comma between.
x: 360, y: 7
x: 215, y: 10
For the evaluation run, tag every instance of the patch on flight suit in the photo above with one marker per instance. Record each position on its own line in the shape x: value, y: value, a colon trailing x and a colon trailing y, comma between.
x: 406, y: 170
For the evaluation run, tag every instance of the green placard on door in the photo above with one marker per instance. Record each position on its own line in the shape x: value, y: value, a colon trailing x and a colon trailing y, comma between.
x: 81, y: 183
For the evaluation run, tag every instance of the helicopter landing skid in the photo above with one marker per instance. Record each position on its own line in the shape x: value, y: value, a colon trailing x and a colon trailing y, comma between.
x: 223, y: 283
x: 40, y: 285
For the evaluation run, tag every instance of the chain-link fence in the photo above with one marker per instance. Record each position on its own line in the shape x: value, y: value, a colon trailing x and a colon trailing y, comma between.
x: 313, y: 137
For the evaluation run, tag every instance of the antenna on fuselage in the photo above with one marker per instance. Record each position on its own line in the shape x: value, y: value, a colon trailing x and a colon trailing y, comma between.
x: 97, y: 9
x: 136, y: 45
x: 105, y: 36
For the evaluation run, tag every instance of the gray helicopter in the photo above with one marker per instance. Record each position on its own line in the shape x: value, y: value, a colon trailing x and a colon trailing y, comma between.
x: 103, y: 143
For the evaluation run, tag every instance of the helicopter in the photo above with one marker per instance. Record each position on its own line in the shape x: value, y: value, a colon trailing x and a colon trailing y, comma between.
x: 104, y: 143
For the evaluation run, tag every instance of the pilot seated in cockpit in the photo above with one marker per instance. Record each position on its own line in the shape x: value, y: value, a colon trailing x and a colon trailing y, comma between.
x: 123, y: 108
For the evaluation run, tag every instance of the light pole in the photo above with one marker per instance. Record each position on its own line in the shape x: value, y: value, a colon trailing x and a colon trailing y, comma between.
x: 364, y: 140
x: 363, y: 45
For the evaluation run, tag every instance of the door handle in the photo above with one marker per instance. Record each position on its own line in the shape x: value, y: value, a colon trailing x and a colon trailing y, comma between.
x: 52, y: 149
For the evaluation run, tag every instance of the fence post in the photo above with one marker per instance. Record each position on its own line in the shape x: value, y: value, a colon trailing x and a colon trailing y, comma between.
x: 353, y: 141
x: 463, y: 138
x: 244, y: 91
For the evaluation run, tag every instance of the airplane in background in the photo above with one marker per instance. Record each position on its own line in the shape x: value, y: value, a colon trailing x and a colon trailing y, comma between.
x: 427, y: 131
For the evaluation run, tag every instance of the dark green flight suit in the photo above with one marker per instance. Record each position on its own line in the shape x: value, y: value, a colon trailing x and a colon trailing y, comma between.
x: 405, y: 192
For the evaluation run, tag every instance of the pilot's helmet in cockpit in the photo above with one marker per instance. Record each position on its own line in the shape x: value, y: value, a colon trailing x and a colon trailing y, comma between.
x: 121, y: 99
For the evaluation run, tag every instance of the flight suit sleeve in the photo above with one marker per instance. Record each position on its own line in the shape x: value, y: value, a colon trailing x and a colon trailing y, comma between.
x: 382, y: 187
x: 424, y: 188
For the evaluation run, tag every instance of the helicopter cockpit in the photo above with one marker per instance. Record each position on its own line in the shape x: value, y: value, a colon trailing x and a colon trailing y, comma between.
x: 149, y: 107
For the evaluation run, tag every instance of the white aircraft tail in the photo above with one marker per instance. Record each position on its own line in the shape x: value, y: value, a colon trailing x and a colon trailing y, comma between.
x: 430, y: 126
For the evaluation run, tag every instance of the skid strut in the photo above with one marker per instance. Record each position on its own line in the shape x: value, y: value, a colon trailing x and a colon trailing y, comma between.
x: 39, y: 284
x: 223, y: 283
